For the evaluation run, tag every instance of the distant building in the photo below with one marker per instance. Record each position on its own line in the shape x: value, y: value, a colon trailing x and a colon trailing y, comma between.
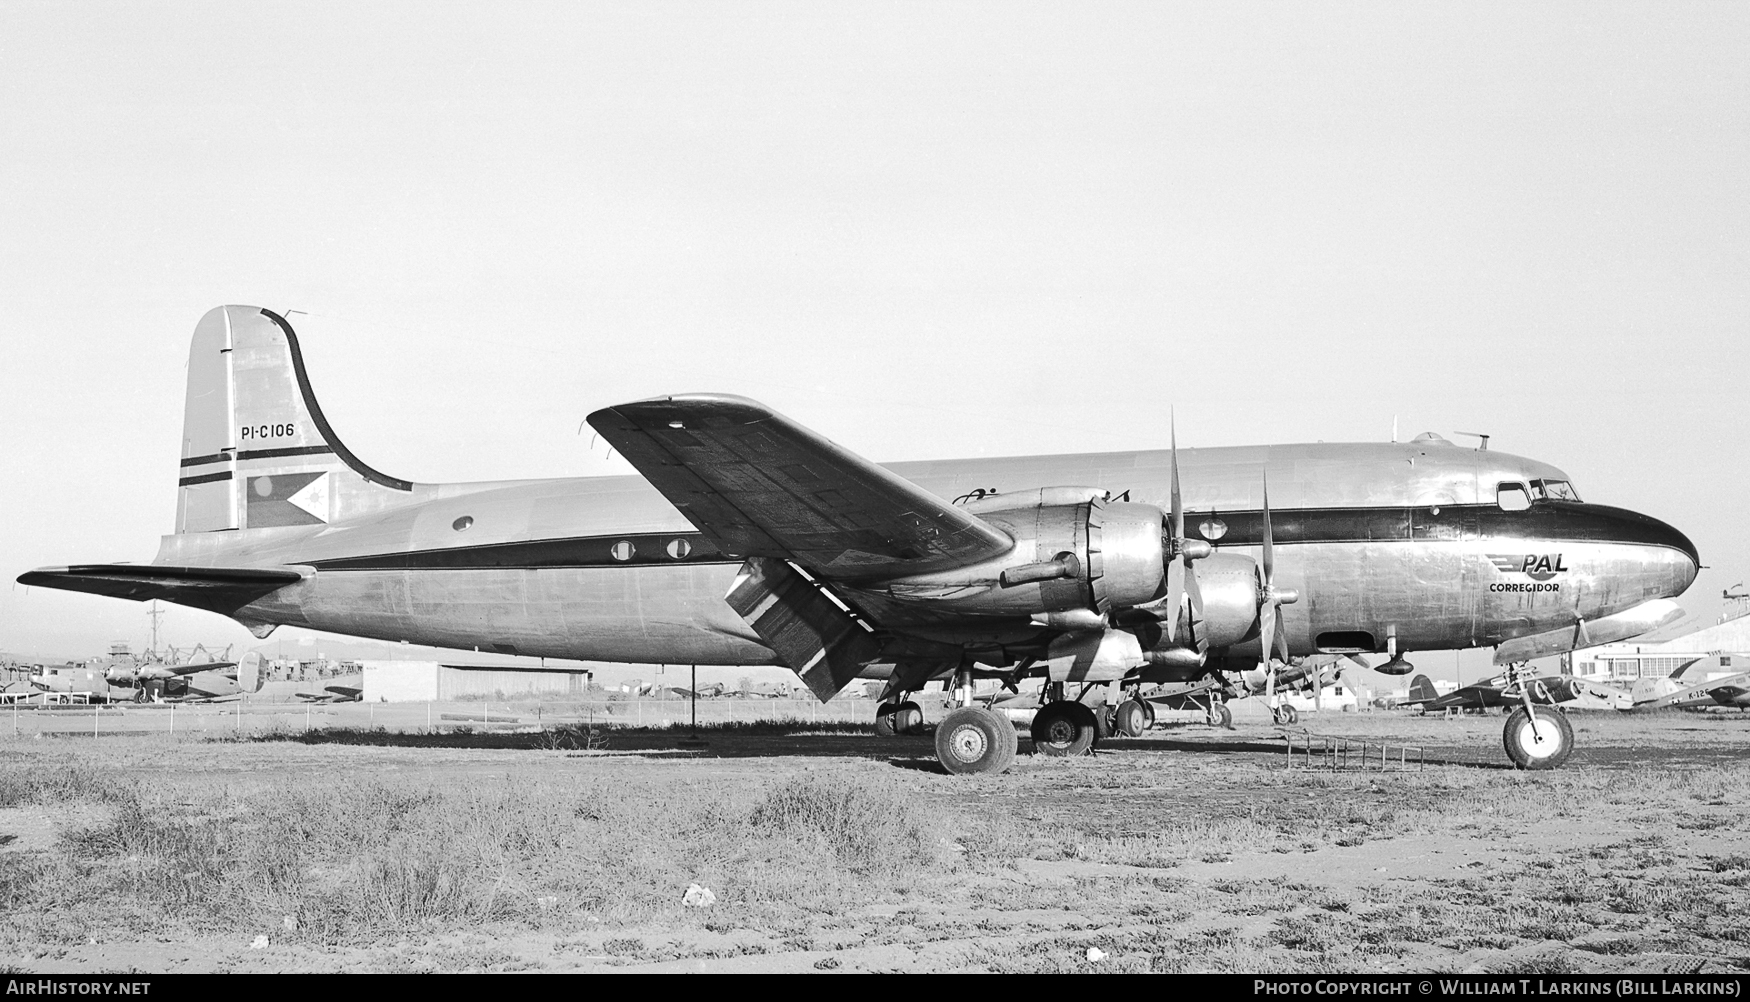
x: 1659, y: 654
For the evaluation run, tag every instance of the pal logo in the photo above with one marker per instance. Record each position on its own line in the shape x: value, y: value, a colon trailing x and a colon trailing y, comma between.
x: 1536, y: 566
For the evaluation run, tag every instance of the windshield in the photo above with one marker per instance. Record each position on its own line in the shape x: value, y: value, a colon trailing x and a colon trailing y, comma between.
x: 1553, y: 490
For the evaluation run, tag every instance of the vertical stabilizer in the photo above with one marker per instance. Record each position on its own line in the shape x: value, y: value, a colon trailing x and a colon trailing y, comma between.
x: 256, y: 449
x: 1422, y: 689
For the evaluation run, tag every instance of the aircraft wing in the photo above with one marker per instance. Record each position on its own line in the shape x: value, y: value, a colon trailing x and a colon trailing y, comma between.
x: 760, y: 485
x: 216, y: 589
x: 177, y: 671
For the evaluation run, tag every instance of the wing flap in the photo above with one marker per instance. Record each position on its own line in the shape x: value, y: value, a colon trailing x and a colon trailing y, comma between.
x: 761, y: 485
x: 215, y: 589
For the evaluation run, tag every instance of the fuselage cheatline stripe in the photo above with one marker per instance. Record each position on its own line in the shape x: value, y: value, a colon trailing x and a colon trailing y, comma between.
x: 1478, y: 523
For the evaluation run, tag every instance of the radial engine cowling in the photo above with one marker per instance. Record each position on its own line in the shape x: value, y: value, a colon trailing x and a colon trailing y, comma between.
x: 1072, y: 560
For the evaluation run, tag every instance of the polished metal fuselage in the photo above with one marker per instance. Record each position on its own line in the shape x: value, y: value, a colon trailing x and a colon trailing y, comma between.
x: 1381, y: 540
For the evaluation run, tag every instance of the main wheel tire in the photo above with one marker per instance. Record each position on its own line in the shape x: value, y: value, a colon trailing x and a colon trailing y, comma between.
x: 1102, y: 723
x: 884, y: 726
x: 972, y: 739
x: 908, y: 718
x: 1063, y: 728
x: 1285, y: 714
x: 1131, y: 718
x: 1221, y: 716
x: 1149, y: 708
x: 1546, y: 747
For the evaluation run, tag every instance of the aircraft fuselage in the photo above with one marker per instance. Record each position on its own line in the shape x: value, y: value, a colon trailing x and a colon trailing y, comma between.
x: 1405, y: 541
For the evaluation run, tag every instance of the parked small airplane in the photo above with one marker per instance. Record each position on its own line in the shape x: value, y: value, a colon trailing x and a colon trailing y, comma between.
x: 752, y: 540
x: 334, y: 694
x: 1703, y: 684
x: 1504, y: 691
x: 126, y: 680
x: 710, y: 690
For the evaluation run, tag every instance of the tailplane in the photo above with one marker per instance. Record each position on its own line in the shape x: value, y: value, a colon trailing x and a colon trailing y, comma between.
x: 256, y: 450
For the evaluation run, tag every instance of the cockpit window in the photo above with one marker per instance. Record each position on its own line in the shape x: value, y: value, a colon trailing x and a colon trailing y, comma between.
x: 1554, y: 490
x: 1512, y: 496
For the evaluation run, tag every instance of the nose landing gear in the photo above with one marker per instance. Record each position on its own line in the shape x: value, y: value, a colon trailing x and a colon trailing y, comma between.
x: 1536, y: 736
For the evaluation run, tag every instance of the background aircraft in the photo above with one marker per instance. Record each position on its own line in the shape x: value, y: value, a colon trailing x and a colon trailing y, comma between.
x: 749, y: 539
x: 1700, y: 685
x: 334, y: 694
x: 1503, y: 691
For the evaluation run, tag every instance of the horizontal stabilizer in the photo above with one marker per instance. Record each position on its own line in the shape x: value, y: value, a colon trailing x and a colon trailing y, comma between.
x: 760, y: 485
x: 215, y: 589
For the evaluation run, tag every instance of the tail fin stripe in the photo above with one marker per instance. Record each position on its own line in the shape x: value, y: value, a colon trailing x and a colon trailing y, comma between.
x: 217, y: 457
x: 304, y: 450
x: 209, y: 478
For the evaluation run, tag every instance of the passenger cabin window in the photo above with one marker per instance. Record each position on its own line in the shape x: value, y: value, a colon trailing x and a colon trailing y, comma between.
x: 1554, y: 490
x: 1512, y: 497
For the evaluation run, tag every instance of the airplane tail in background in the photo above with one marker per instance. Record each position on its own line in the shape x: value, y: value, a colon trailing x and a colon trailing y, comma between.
x: 250, y: 677
x: 256, y: 450
x: 1421, y: 688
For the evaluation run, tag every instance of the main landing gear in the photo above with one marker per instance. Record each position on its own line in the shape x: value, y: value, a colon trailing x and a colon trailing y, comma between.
x: 1067, y: 726
x: 974, y: 739
x: 904, y: 717
x: 1132, y: 717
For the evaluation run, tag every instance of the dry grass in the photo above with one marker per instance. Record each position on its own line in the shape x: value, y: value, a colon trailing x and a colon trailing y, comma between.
x: 1163, y: 860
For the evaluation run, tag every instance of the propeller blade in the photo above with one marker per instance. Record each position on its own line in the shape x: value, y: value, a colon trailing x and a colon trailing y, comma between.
x: 1194, y: 595
x: 1269, y: 548
x: 1267, y: 633
x: 1279, y: 641
x: 1175, y: 597
x: 1178, y: 500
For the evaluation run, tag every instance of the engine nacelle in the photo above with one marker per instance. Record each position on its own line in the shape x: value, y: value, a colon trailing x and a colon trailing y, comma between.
x: 1229, y: 584
x: 1074, y: 553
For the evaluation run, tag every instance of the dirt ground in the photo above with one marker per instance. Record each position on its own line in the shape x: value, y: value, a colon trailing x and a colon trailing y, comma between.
x: 1187, y: 849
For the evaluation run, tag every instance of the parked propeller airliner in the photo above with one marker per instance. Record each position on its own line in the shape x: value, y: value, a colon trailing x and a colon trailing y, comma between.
x: 751, y: 540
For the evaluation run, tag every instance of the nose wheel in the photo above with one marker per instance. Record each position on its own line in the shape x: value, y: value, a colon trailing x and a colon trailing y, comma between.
x: 1538, y: 737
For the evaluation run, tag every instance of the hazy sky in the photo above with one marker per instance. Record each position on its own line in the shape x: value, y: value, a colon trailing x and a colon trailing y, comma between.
x: 923, y: 229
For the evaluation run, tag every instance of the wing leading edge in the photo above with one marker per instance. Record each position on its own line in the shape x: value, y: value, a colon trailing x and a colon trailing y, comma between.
x: 761, y: 485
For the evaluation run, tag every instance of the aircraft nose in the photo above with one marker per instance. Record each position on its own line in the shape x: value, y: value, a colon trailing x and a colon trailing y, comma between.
x: 1687, y: 562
